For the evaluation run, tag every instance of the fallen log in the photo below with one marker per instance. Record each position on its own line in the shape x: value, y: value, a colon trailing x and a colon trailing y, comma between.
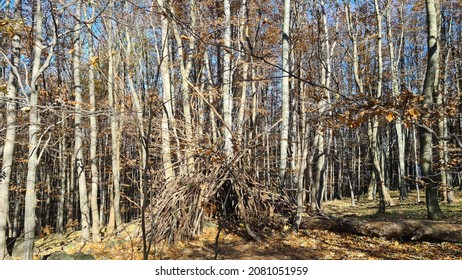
x: 408, y: 230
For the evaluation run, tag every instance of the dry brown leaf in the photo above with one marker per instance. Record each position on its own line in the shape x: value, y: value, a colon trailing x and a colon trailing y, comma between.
x: 390, y: 117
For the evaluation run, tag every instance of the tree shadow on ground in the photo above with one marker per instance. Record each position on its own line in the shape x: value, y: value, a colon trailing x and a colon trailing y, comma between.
x: 320, y: 245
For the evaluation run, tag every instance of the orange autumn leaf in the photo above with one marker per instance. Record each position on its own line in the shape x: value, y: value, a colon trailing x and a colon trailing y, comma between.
x: 413, y: 113
x: 390, y: 117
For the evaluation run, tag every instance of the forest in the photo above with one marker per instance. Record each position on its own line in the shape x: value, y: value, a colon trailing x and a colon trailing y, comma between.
x: 159, y: 120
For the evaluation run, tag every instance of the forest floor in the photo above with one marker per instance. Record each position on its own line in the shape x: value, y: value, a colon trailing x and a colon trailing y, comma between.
x: 285, y: 244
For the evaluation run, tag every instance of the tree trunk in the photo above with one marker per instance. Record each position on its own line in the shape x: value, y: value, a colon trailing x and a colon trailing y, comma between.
x: 426, y: 153
x: 78, y: 138
x: 227, y: 82
x: 374, y: 136
x: 71, y: 200
x: 416, y: 163
x: 395, y: 92
x: 16, y: 216
x: 211, y: 100
x: 30, y: 199
x: 167, y: 112
x: 320, y: 139
x: 284, y: 141
x: 443, y: 149
x: 63, y: 179
x: 34, y: 128
x: 95, y: 226
x: 114, y: 192
x: 185, y: 68
x: 302, y: 168
x: 243, y: 61
x: 8, y: 148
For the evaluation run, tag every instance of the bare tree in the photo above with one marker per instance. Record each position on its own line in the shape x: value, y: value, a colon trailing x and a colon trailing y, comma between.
x: 38, y: 68
x: 429, y: 89
x: 167, y: 110
x: 285, y: 114
x: 78, y: 138
x: 95, y: 227
x: 10, y: 137
x: 115, y: 219
x: 227, y: 80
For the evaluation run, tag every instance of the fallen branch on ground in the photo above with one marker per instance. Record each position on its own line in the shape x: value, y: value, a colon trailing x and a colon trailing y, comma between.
x: 409, y: 230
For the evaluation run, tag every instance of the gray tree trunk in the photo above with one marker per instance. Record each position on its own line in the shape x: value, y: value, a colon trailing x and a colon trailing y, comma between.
x: 443, y: 149
x: 321, y: 131
x: 302, y: 167
x: 95, y: 224
x: 227, y: 80
x: 78, y: 126
x: 63, y: 179
x: 114, y: 216
x: 243, y: 60
x: 34, y: 128
x: 385, y: 197
x: 30, y: 198
x: 395, y: 92
x: 426, y: 152
x: 284, y: 141
x: 167, y: 112
x: 8, y: 148
x: 185, y: 68
x: 211, y: 99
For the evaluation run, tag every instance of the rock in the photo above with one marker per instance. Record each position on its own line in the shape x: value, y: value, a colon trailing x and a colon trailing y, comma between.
x: 65, y: 256
x: 130, y: 231
x: 116, y: 243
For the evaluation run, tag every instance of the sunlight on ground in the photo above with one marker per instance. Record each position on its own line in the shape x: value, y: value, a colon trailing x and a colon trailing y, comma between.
x: 285, y: 244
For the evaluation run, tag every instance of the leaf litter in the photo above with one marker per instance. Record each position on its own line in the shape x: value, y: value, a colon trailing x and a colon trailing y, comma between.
x: 311, y: 244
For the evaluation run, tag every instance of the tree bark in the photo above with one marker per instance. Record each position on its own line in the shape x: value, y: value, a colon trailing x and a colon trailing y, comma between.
x: 395, y: 92
x: 8, y: 148
x: 374, y: 135
x: 285, y: 115
x: 63, y: 179
x: 416, y: 163
x: 441, y: 100
x: 95, y: 224
x: 211, y: 100
x: 114, y: 216
x: 185, y: 68
x: 30, y: 198
x: 243, y: 61
x: 78, y: 126
x: 34, y: 127
x: 167, y: 112
x: 10, y: 137
x: 227, y: 81
x: 426, y: 153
